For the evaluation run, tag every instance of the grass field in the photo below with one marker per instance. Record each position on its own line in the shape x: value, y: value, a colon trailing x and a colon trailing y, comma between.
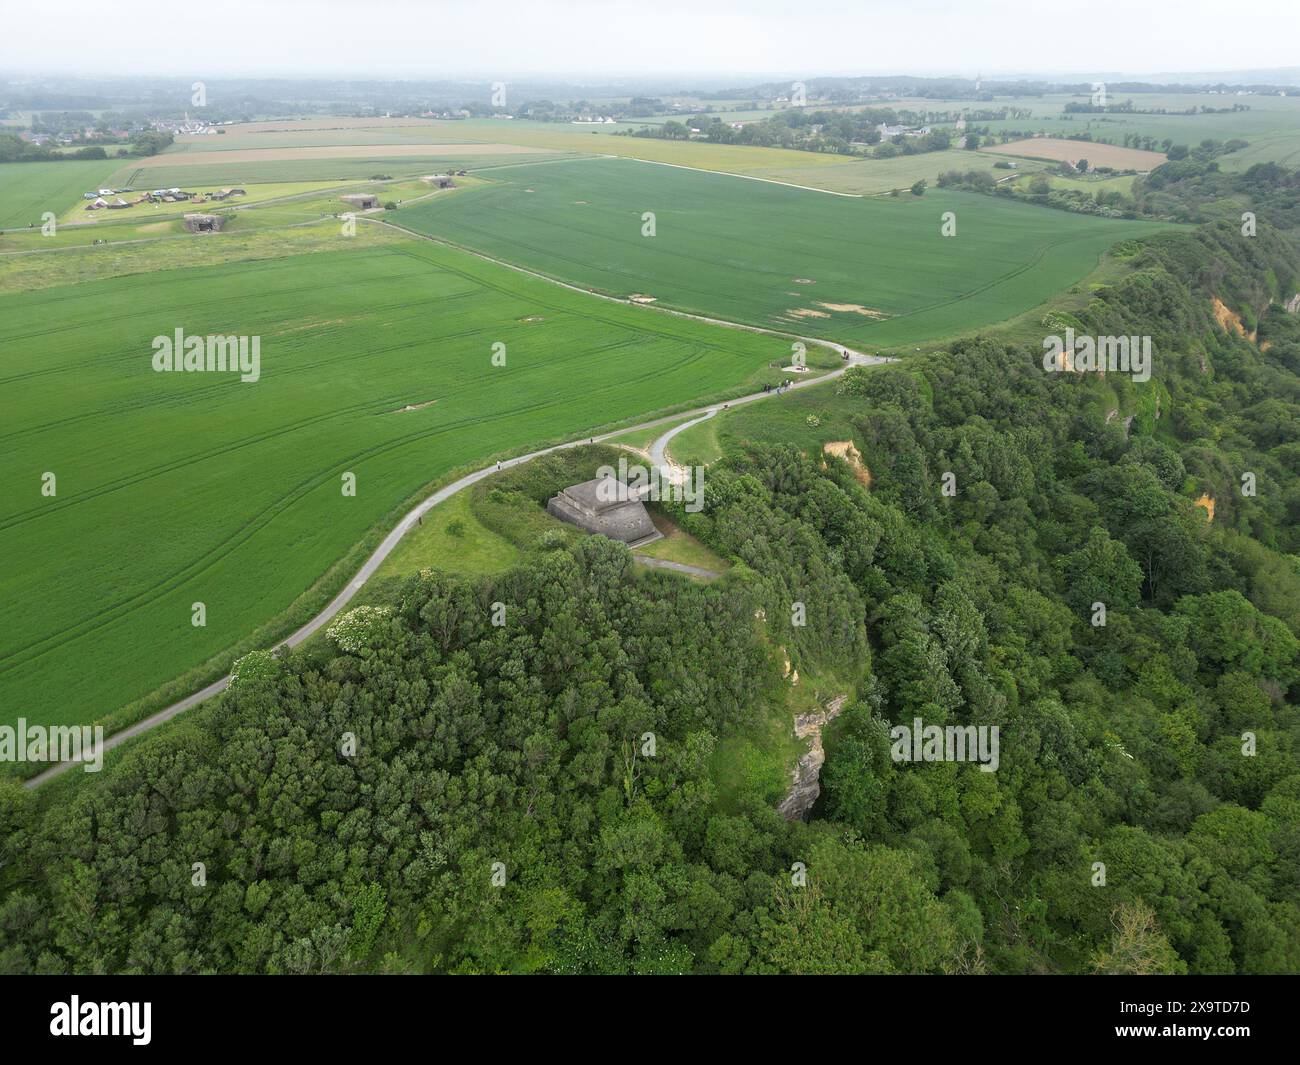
x: 872, y: 177
x: 782, y: 258
x: 29, y: 189
x: 177, y: 488
x: 452, y: 539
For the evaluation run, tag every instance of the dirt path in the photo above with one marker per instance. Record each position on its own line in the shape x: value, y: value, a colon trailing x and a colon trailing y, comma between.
x: 676, y: 567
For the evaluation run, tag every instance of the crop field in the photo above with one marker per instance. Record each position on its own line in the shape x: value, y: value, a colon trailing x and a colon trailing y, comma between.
x: 27, y: 190
x: 1271, y: 124
x: 862, y: 271
x: 1057, y: 150
x: 179, y: 488
x: 874, y: 177
x: 302, y: 144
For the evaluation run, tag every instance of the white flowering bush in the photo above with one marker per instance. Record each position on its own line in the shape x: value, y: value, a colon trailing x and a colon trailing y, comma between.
x: 254, y: 666
x: 359, y: 628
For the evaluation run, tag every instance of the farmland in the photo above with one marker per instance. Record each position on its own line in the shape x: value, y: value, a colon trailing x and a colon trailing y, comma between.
x: 1057, y: 150
x: 863, y: 271
x: 472, y: 143
x: 174, y: 489
x: 27, y: 190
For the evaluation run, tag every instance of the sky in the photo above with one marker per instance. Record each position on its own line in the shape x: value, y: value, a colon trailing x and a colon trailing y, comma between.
x: 498, y: 39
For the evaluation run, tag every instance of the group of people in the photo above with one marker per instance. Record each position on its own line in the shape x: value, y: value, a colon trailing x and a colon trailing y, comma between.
x: 780, y: 387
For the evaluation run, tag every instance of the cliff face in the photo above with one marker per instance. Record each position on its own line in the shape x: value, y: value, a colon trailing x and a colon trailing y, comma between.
x: 805, y: 783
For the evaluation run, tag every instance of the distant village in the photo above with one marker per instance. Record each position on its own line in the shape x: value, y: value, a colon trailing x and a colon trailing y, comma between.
x: 101, y: 135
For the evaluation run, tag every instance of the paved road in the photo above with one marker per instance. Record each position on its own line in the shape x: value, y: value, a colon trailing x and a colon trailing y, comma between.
x: 441, y: 495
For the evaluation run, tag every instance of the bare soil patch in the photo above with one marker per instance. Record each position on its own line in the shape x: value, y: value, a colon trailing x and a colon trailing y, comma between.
x: 1229, y: 320
x: 1059, y: 150
x: 844, y: 449
x: 855, y: 308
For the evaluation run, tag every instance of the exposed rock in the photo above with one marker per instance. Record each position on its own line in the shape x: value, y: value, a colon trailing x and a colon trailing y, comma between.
x: 805, y: 778
x: 845, y: 450
x: 1293, y: 304
x: 1229, y: 320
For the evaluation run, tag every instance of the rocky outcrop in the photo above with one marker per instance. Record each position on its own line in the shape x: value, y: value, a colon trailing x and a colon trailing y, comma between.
x: 805, y: 778
x: 1293, y: 304
x: 844, y: 449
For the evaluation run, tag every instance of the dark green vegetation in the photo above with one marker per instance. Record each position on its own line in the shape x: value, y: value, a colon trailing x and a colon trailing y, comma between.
x: 864, y: 271
x: 178, y: 488
x: 521, y: 745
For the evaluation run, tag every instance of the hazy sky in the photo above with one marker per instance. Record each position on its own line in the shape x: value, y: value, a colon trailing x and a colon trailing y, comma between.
x: 496, y: 39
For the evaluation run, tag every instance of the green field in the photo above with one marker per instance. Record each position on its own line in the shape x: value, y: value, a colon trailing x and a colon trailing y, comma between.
x: 1271, y: 125
x: 872, y: 177
x: 179, y: 488
x: 747, y: 250
x: 29, y: 189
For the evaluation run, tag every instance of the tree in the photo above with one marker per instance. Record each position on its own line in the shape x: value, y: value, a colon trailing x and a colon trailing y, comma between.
x: 1138, y: 947
x: 1102, y: 571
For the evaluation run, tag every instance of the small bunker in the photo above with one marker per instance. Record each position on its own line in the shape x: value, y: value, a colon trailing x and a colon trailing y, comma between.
x: 605, y: 506
x: 360, y: 199
x: 204, y: 223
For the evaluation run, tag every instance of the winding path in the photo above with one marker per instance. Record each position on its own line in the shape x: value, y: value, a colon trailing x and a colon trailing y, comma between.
x: 659, y: 457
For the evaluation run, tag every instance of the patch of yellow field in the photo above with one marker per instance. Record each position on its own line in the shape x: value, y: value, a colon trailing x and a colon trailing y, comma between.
x: 1059, y: 150
x: 844, y: 449
x: 854, y: 308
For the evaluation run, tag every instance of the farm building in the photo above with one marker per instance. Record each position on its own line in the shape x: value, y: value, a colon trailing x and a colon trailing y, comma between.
x: 605, y: 506
x: 204, y: 223
x: 360, y: 199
